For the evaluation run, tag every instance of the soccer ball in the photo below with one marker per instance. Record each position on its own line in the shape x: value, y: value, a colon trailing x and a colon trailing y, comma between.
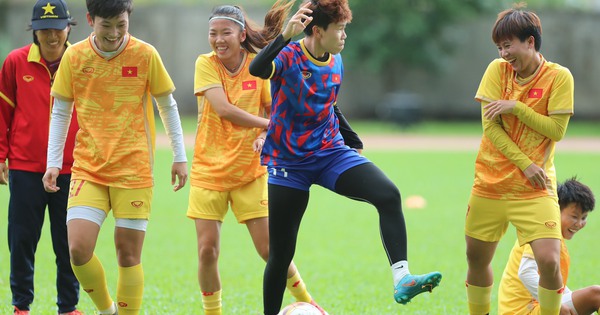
x: 300, y: 308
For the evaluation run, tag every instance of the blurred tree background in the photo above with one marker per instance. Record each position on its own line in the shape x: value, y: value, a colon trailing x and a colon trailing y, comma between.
x: 429, y: 52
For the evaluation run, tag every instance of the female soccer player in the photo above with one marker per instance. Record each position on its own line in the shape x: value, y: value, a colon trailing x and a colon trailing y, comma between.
x: 110, y: 78
x: 304, y: 147
x: 526, y: 104
x: 518, y: 292
x: 226, y: 168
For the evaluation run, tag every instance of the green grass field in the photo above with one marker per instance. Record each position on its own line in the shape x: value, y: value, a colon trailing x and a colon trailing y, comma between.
x: 339, y: 250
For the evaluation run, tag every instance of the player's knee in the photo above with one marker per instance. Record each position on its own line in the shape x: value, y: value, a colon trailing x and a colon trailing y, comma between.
x: 263, y: 251
x: 79, y: 253
x: 548, y: 266
x: 595, y: 295
x: 386, y: 196
x: 208, y: 254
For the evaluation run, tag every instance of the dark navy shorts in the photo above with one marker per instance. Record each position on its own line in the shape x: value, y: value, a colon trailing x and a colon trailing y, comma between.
x: 323, y: 168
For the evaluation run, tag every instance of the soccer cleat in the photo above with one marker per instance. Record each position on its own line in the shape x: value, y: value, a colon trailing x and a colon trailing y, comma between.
x: 75, y: 312
x: 17, y: 311
x: 318, y: 307
x: 411, y: 286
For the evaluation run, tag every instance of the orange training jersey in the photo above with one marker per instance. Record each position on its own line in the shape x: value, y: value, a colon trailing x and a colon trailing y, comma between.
x: 549, y: 91
x: 115, y: 143
x: 223, y: 154
x: 513, y: 296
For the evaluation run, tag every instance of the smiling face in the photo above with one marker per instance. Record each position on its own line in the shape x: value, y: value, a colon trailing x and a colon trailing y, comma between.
x: 52, y: 42
x: 225, y: 38
x: 572, y: 220
x: 109, y: 31
x: 521, y: 55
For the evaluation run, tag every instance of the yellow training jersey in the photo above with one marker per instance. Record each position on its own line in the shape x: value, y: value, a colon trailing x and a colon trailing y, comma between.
x: 223, y: 154
x: 113, y: 99
x: 549, y: 91
x: 513, y: 297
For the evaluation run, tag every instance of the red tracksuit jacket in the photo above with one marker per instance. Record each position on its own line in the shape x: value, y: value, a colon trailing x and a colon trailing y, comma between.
x: 26, y: 105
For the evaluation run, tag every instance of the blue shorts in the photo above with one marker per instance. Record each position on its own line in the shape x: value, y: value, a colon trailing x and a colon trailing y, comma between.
x: 322, y: 168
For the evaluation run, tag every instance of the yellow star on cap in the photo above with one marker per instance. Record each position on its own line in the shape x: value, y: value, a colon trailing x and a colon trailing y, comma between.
x: 48, y: 9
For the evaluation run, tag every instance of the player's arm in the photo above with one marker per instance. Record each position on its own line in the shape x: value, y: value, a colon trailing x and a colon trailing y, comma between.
x: 169, y: 114
x: 351, y: 138
x: 493, y: 130
x: 8, y: 88
x: 7, y: 111
x: 262, y: 65
x: 62, y: 111
x: 219, y: 102
x: 553, y: 126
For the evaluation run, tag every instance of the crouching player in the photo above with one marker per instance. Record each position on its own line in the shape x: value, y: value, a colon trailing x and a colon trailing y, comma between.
x: 518, y: 292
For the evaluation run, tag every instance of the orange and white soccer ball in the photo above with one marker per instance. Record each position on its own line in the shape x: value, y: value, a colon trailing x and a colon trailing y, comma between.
x: 300, y: 308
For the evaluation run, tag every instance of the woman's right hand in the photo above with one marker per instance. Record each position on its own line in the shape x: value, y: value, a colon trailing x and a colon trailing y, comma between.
x: 536, y: 175
x: 298, y: 22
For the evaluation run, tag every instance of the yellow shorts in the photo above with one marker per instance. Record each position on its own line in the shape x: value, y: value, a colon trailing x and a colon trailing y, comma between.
x: 247, y: 202
x: 126, y: 203
x: 487, y: 219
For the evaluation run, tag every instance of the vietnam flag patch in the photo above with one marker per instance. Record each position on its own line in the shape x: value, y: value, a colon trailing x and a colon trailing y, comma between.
x: 129, y: 72
x: 536, y: 93
x: 249, y: 85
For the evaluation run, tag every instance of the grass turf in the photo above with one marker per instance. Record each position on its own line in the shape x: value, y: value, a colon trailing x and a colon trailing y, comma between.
x: 339, y: 252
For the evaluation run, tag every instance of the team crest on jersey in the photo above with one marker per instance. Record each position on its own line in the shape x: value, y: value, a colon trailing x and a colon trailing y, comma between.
x: 88, y: 70
x: 28, y: 78
x: 306, y: 75
x: 137, y: 203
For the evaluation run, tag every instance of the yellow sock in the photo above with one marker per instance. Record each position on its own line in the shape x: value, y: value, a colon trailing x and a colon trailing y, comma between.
x: 298, y: 288
x: 130, y: 289
x: 550, y: 301
x: 479, y: 299
x: 93, y: 281
x: 211, y: 302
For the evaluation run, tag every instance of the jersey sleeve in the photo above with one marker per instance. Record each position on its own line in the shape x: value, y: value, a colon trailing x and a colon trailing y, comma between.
x: 159, y: 80
x: 561, y: 96
x: 205, y: 75
x: 490, y: 87
x: 493, y: 130
x: 8, y: 88
x: 62, y: 88
x: 265, y: 95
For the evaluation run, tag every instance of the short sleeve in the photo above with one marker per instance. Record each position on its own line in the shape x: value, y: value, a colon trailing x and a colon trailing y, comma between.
x: 561, y: 96
x: 206, y: 75
x: 490, y: 88
x: 159, y: 80
x: 62, y: 88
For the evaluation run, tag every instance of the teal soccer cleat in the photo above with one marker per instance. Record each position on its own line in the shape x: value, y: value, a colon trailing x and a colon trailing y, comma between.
x: 411, y: 286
